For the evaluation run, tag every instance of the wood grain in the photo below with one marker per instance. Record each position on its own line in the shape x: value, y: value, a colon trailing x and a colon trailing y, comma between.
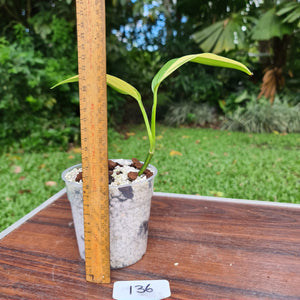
x: 206, y: 249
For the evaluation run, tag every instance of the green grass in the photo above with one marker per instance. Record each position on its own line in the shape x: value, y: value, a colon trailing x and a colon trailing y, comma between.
x: 221, y: 163
x: 204, y: 162
x: 25, y: 177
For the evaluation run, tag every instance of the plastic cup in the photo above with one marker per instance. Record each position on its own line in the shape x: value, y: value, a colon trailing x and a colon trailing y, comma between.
x: 129, y: 209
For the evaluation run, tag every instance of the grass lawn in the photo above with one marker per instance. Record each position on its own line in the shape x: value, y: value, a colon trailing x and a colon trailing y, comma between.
x: 190, y: 161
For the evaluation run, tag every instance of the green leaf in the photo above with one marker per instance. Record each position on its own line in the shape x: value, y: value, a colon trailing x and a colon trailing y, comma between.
x: 69, y: 80
x: 287, y: 8
x: 203, y: 58
x: 114, y: 82
x: 293, y: 16
x: 123, y: 87
x: 222, y: 105
x: 219, y: 46
x: 269, y: 26
x: 209, y: 43
x: 222, y: 36
x: 199, y: 36
x: 243, y: 96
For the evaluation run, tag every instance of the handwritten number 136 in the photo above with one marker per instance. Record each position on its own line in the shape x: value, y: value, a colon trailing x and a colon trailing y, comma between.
x: 141, y: 289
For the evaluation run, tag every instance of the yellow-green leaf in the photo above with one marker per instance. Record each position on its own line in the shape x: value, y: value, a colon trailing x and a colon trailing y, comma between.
x: 116, y: 83
x: 203, y: 58
x: 68, y: 80
x: 122, y: 87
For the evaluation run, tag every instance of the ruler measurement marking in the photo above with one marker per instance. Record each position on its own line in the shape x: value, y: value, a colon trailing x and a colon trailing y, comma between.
x: 92, y: 91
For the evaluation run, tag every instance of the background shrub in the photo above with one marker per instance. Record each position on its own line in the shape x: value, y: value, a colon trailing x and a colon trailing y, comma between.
x: 32, y: 116
x: 187, y: 113
x: 262, y: 116
x: 38, y: 48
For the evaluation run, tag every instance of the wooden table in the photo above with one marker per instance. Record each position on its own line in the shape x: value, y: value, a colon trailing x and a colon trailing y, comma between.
x: 208, y: 248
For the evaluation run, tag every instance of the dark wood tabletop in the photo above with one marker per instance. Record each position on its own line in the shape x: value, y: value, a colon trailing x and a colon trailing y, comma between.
x: 205, y: 248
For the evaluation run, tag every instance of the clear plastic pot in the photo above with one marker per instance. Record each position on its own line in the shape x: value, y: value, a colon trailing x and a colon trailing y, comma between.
x: 129, y: 208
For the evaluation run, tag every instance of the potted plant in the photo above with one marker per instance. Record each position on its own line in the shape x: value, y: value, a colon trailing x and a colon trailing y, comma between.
x: 130, y: 198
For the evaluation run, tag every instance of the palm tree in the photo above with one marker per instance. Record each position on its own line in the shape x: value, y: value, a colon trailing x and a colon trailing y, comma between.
x: 271, y: 26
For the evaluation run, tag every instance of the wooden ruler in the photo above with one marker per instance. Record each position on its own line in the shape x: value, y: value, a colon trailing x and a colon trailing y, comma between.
x: 93, y: 122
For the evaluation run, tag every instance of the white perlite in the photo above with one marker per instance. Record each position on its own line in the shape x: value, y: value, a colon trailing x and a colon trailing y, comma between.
x: 129, y: 215
x: 71, y: 175
x: 120, y: 174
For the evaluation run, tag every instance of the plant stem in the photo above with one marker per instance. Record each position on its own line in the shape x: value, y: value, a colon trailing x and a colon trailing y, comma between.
x: 153, y: 118
x: 150, y: 137
x: 146, y: 163
x: 152, y: 134
x: 142, y: 108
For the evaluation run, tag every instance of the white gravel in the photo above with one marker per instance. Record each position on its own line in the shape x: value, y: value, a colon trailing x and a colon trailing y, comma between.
x: 71, y: 175
x: 119, y: 174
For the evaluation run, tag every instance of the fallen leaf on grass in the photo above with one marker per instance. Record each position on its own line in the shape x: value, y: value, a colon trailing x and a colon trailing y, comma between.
x: 173, y: 153
x: 14, y: 157
x: 17, y: 169
x: 159, y: 137
x: 217, y: 194
x: 26, y: 191
x: 76, y: 150
x: 71, y: 156
x: 129, y: 134
x: 164, y: 173
x: 22, y: 178
x: 42, y: 166
x: 50, y: 183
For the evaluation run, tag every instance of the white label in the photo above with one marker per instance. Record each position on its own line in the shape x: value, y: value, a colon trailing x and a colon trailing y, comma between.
x: 141, y: 289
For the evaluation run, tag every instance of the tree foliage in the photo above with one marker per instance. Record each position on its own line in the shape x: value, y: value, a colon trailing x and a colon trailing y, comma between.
x: 38, y: 48
x: 271, y: 26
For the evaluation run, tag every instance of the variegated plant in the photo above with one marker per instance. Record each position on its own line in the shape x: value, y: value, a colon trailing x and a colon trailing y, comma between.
x: 125, y: 88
